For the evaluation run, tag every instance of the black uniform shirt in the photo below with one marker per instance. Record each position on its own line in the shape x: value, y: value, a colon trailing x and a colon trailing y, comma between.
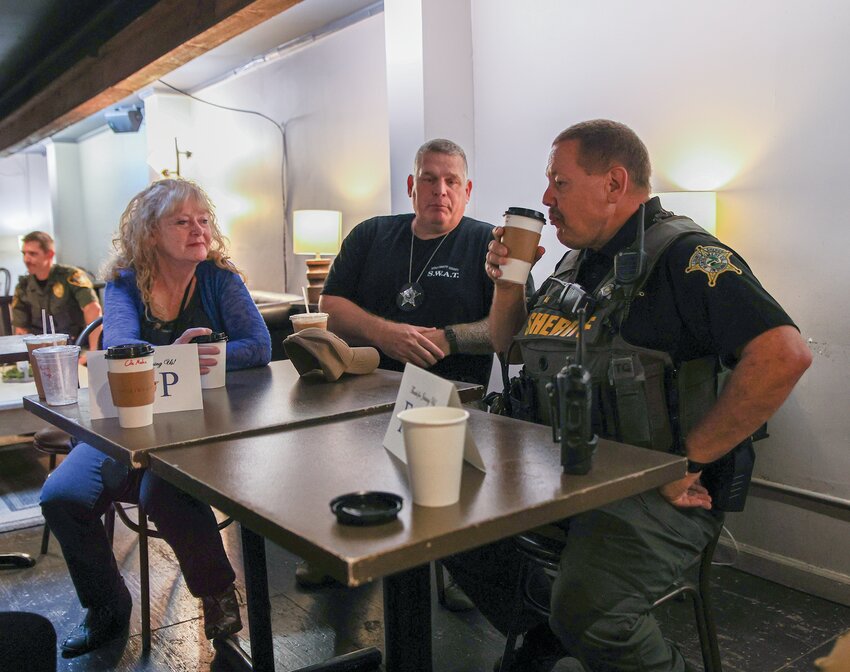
x: 683, y: 309
x: 159, y: 332
x: 375, y: 262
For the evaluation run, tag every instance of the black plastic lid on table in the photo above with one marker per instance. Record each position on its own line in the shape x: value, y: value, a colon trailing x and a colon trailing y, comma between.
x: 214, y: 337
x: 526, y: 212
x: 366, y: 508
x: 129, y: 350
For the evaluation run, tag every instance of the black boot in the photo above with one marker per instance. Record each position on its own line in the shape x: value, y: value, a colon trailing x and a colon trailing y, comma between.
x: 102, y: 624
x: 540, y: 651
x: 221, y: 614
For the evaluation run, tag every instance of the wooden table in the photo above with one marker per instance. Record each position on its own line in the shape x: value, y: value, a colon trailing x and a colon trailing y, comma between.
x: 253, y: 401
x: 278, y: 485
x: 271, y: 450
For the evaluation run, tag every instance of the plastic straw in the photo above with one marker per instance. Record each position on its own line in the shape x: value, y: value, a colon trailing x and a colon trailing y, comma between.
x: 306, y: 302
x: 43, y: 321
x: 58, y: 362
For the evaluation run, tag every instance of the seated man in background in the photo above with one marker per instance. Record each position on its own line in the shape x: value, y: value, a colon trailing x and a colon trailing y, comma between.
x: 413, y: 285
x: 63, y: 292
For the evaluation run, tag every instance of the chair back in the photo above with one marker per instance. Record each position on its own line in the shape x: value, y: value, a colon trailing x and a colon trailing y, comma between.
x: 5, y: 303
x: 83, y: 338
x: 5, y: 282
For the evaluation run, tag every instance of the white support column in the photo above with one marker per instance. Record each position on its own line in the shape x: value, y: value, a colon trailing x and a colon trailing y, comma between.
x: 167, y: 116
x: 429, y: 82
x: 70, y: 229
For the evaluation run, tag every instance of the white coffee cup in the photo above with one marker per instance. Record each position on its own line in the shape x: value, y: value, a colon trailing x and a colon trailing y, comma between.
x: 522, y: 237
x: 131, y: 383
x: 217, y: 375
x: 433, y: 445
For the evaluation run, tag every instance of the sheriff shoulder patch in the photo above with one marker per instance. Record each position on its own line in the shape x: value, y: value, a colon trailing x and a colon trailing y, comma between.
x: 79, y: 279
x: 713, y: 261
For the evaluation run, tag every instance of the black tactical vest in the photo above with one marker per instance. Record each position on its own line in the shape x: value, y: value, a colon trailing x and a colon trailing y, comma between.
x: 640, y: 396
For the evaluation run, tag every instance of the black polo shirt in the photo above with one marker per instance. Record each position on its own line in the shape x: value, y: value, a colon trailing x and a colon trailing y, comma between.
x: 684, y: 310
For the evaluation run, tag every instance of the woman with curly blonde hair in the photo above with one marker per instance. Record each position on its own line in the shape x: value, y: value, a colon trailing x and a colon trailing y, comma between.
x: 170, y: 281
x: 133, y: 245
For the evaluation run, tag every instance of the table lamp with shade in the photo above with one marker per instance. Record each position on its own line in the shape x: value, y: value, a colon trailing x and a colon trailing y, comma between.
x: 316, y: 232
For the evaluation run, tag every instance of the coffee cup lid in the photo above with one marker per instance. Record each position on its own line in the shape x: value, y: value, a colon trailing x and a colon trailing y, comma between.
x: 44, y: 338
x: 317, y: 349
x: 56, y: 350
x: 526, y: 212
x: 306, y: 316
x: 129, y: 350
x: 214, y: 337
x: 366, y: 508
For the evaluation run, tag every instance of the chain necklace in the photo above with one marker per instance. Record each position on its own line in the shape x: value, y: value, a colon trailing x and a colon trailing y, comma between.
x: 411, y: 296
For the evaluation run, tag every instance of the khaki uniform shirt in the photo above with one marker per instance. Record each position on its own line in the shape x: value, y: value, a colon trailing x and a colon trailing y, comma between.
x: 67, y: 291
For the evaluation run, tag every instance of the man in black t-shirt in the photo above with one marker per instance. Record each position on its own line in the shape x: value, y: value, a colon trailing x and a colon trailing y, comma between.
x: 413, y: 285
x: 689, y: 304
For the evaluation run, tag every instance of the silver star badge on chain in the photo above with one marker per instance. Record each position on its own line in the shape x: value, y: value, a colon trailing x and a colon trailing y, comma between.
x: 409, y: 297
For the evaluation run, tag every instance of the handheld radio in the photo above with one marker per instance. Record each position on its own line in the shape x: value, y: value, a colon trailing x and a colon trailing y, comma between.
x: 630, y: 263
x: 570, y: 399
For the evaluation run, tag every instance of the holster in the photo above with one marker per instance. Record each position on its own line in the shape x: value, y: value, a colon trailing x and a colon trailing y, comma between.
x: 728, y: 479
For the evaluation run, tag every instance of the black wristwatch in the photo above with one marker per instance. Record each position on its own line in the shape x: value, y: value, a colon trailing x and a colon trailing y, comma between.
x: 451, y: 339
x: 695, y: 467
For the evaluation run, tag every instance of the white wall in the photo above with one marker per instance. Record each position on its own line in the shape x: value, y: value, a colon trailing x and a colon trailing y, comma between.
x: 331, y: 95
x: 24, y: 206
x: 745, y: 98
x: 113, y: 170
x: 91, y: 182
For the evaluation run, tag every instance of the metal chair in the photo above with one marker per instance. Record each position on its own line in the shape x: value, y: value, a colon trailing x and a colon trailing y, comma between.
x: 53, y: 442
x: 145, y: 532
x: 543, y: 551
x: 6, y: 303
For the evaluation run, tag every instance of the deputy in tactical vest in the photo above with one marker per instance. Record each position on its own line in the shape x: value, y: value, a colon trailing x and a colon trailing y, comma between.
x: 663, y: 307
x: 63, y: 292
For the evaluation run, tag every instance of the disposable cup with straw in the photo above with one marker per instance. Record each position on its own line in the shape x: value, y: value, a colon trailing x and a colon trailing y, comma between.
x: 36, y: 341
x: 60, y: 369
x: 308, y: 319
x: 57, y: 365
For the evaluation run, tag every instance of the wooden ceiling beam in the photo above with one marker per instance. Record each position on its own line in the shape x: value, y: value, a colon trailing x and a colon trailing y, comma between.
x: 171, y: 33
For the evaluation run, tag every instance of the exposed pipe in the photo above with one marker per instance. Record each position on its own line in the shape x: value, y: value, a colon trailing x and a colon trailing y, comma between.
x: 819, y: 497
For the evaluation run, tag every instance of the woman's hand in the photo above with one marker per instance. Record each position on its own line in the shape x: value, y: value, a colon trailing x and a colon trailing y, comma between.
x: 206, y: 351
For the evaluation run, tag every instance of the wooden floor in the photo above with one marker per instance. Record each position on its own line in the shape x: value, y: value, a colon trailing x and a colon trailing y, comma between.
x: 763, y: 627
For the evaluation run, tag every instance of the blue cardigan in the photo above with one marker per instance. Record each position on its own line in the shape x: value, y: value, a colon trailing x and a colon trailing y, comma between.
x: 225, y: 300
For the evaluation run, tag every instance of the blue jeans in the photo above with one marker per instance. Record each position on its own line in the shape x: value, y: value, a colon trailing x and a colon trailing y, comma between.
x: 80, y: 490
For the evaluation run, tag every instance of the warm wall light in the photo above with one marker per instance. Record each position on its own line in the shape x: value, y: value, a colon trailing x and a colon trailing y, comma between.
x: 700, y: 206
x: 316, y: 232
